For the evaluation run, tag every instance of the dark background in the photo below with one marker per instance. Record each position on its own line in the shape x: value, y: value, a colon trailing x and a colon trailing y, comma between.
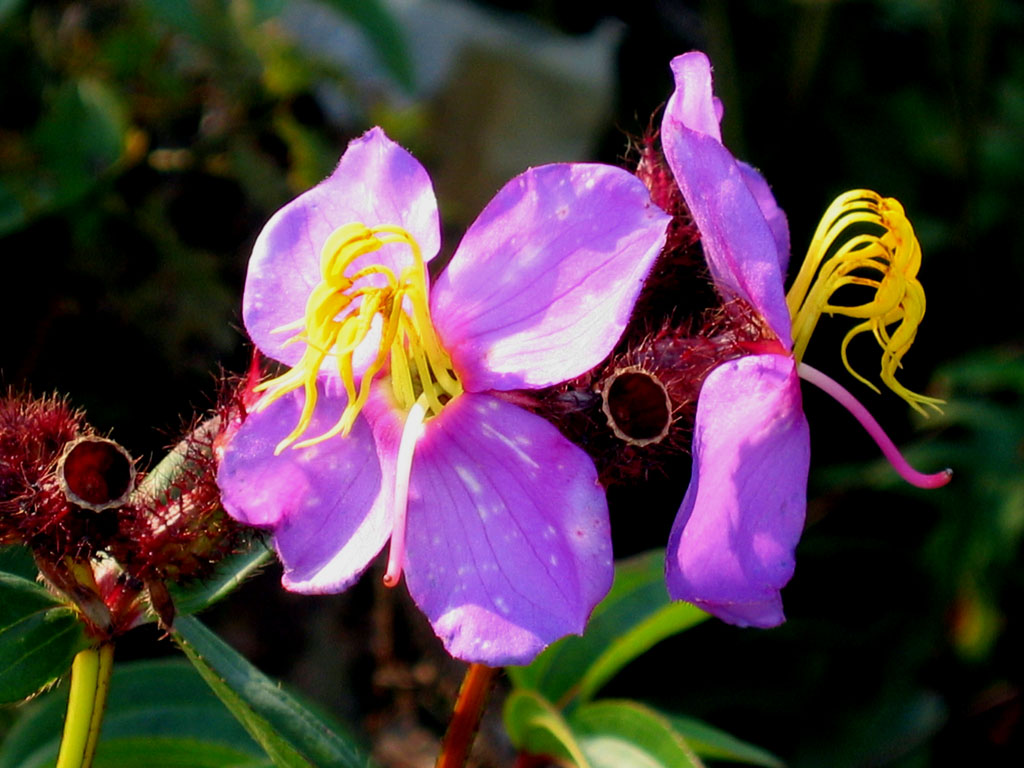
x: 143, y: 145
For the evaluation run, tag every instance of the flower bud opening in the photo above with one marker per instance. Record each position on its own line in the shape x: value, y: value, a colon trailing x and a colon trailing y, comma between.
x: 96, y: 473
x: 637, y: 406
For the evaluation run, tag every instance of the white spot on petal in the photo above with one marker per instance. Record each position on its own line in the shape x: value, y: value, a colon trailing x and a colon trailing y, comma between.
x: 469, y: 479
x: 525, y: 457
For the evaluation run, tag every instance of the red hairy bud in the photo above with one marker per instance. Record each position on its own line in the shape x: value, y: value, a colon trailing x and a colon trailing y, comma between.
x: 680, y: 269
x: 35, y: 509
x: 71, y: 497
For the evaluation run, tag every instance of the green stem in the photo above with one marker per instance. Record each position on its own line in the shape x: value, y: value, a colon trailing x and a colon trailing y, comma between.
x: 90, y: 681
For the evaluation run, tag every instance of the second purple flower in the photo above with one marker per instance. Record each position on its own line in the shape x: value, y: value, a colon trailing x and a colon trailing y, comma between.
x: 731, y: 549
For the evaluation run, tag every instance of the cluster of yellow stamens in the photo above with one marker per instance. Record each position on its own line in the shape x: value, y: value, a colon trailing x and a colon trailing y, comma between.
x: 340, y: 315
x: 886, y: 262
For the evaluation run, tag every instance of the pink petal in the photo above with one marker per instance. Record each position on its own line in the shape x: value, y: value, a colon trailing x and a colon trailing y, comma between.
x: 324, y: 503
x: 740, y: 247
x: 376, y: 182
x: 543, y: 283
x: 509, y: 546
x: 731, y: 547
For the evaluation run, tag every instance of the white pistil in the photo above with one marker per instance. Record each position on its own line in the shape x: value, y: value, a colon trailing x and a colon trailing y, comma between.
x: 889, y: 449
x: 411, y: 433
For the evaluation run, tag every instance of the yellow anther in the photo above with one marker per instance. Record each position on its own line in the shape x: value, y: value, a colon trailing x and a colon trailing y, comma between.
x: 340, y: 315
x: 884, y: 255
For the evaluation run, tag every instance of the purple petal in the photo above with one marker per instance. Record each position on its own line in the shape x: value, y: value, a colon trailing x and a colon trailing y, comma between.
x: 376, y: 182
x: 731, y: 547
x: 509, y: 546
x: 324, y: 503
x: 694, y: 103
x: 774, y: 215
x: 740, y: 247
x: 543, y: 283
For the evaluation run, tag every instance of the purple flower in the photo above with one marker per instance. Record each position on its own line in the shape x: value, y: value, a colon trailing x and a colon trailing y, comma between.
x: 732, y: 544
x: 390, y: 422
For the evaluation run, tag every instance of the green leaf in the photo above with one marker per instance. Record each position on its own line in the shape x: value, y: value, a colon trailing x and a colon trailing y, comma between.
x: 39, y: 637
x: 536, y: 727
x: 635, y: 615
x: 312, y: 158
x: 384, y: 33
x: 292, y: 734
x: 230, y: 574
x: 12, y: 211
x: 183, y: 17
x: 83, y: 135
x: 81, y: 139
x: 157, y: 752
x: 626, y: 734
x: 8, y: 7
x: 160, y: 713
x: 708, y: 741
x: 18, y: 560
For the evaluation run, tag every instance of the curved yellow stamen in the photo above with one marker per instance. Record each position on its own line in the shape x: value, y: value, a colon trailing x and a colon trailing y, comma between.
x: 340, y: 315
x: 886, y: 262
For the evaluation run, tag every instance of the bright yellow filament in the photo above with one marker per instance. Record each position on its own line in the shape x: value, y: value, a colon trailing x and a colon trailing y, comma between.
x: 340, y: 314
x: 886, y: 262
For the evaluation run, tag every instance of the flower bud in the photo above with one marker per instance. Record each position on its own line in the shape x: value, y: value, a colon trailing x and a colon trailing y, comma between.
x: 95, y: 473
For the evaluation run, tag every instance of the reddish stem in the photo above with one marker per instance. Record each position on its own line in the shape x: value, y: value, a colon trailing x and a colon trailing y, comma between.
x: 469, y: 707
